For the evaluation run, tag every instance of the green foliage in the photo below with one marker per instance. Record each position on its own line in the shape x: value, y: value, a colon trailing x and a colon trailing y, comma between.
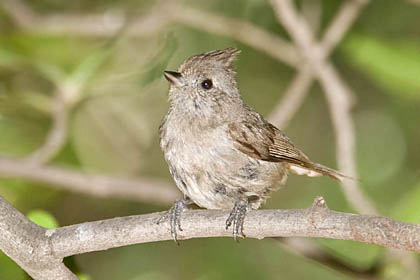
x: 10, y: 270
x: 7, y: 57
x: 408, y: 207
x: 389, y: 153
x: 43, y: 218
x: 393, y: 64
x: 19, y: 134
x: 85, y: 71
x: 83, y: 276
x: 159, y: 62
x: 361, y: 256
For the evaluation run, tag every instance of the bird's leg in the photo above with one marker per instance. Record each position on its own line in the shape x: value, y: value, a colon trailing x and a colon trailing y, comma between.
x: 174, y: 216
x: 237, y: 217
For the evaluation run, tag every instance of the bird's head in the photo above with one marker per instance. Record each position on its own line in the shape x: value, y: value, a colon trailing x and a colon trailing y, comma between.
x: 205, y: 84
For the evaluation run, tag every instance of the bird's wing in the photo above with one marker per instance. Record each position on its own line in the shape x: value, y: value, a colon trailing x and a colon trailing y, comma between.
x: 264, y: 141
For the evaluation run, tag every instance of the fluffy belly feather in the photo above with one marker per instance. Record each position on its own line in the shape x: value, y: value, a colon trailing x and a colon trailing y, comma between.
x: 214, y: 180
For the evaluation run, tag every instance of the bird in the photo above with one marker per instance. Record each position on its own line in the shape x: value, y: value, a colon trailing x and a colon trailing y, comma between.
x: 221, y: 153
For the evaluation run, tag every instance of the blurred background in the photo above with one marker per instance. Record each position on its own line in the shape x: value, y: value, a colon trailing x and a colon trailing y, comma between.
x: 82, y: 95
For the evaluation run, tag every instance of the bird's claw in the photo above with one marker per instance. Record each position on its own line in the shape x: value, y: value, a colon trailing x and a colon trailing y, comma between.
x: 237, y: 217
x: 174, y: 217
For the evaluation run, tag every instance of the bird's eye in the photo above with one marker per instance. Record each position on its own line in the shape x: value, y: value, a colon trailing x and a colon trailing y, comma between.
x: 207, y: 84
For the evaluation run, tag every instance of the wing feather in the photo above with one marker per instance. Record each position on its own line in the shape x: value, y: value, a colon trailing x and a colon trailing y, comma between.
x: 263, y: 141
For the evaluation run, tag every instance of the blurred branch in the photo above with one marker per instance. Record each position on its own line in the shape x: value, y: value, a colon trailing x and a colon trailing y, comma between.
x: 338, y: 96
x: 20, y: 13
x: 40, y: 251
x: 159, y: 17
x: 417, y: 2
x: 104, y: 24
x: 57, y: 134
x: 241, y: 31
x: 140, y: 189
x: 298, y: 89
x: 293, y: 98
x: 341, y: 23
x: 312, y: 11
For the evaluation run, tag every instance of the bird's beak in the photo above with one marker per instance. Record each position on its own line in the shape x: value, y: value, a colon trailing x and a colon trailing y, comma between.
x: 175, y: 78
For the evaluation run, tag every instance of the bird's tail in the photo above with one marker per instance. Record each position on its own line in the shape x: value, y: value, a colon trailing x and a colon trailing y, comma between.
x: 330, y: 172
x: 315, y: 169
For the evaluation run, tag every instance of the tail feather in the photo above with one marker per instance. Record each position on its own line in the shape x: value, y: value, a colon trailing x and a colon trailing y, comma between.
x: 316, y: 169
x: 331, y: 172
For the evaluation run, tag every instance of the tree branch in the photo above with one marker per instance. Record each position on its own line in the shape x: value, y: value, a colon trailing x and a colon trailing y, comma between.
x: 316, y: 221
x: 27, y: 244
x: 40, y: 251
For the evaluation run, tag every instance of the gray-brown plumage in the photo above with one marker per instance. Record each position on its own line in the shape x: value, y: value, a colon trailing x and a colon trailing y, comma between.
x: 220, y: 152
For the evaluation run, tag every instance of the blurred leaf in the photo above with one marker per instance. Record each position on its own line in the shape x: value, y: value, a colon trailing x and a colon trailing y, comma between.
x: 379, y: 160
x: 51, y: 72
x: 82, y: 276
x: 408, y: 207
x: 160, y: 61
x: 395, y: 269
x: 27, y: 195
x: 8, y: 57
x: 64, y: 51
x: 11, y: 57
x: 359, y: 255
x: 89, y: 66
x: 109, y: 134
x: 9, y: 269
x: 37, y: 100
x: 393, y: 65
x: 152, y: 275
x: 43, y: 218
x: 20, y: 135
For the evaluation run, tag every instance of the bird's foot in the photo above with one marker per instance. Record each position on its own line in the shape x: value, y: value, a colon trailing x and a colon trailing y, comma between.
x: 237, y: 217
x: 174, y: 217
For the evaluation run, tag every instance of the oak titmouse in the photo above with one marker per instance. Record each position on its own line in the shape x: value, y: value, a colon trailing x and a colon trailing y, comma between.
x: 221, y: 153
